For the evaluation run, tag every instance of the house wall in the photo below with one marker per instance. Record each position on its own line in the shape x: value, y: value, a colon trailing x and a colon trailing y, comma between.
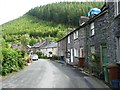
x: 81, y: 39
x: 53, y: 50
x: 75, y: 46
x: 62, y: 48
x: 46, y: 51
x: 117, y: 37
x: 105, y: 28
x: 100, y: 37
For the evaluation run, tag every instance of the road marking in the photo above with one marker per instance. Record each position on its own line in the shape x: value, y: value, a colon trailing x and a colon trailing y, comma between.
x: 66, y: 76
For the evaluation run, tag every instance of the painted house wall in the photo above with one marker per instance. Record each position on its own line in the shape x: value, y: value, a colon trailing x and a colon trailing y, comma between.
x: 46, y: 51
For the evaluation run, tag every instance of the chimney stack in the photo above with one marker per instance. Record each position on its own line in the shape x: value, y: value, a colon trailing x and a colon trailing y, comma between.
x: 83, y: 19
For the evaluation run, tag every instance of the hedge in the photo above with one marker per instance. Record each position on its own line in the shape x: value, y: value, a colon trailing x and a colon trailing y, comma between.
x: 11, y: 60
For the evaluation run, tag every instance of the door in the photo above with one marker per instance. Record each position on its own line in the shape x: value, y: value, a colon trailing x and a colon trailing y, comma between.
x: 104, y: 63
x: 71, y: 55
x: 104, y: 56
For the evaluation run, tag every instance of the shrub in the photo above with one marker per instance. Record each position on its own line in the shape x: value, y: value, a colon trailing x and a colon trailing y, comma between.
x: 11, y: 61
x: 44, y: 57
x: 55, y: 57
x: 21, y: 53
x: 39, y: 53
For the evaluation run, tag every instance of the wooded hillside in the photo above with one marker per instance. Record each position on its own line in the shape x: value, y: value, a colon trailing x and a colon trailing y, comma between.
x: 50, y: 20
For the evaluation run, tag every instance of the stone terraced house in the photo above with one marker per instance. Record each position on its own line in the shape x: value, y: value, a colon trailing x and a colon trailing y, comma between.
x: 95, y: 44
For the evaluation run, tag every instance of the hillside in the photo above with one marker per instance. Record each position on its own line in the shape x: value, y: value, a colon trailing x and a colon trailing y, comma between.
x: 65, y: 12
x: 50, y: 20
x: 31, y: 28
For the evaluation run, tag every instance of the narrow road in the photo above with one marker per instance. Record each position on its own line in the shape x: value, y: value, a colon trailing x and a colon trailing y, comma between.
x: 50, y: 74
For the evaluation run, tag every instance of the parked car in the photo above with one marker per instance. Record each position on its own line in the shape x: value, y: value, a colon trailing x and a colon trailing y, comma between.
x: 34, y: 57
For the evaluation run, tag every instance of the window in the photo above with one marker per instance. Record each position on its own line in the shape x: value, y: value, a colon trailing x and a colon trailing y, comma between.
x: 75, y: 52
x: 118, y: 49
x: 68, y: 39
x: 92, y: 29
x: 81, y: 52
x: 92, y: 49
x: 68, y: 53
x: 75, y: 34
x: 59, y: 44
x: 117, y: 7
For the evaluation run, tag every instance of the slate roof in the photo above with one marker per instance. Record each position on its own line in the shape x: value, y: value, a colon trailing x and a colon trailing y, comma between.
x: 51, y: 45
x: 38, y: 44
x: 16, y: 47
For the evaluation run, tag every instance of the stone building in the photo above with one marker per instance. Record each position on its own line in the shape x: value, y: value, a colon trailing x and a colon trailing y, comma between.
x: 97, y: 40
x: 62, y: 48
x: 37, y: 46
x: 50, y: 49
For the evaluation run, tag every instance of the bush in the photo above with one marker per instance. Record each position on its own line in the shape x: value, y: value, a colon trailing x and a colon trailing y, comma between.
x: 21, y: 53
x: 44, y: 57
x: 55, y: 57
x: 11, y: 61
x: 39, y: 53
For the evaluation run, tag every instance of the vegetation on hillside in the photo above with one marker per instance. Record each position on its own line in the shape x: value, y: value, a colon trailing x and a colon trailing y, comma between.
x: 65, y: 12
x: 29, y: 30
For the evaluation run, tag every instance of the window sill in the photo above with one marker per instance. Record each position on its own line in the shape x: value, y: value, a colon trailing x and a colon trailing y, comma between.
x: 118, y: 62
x: 76, y: 39
x: 116, y: 16
x: 92, y: 35
x: 76, y: 56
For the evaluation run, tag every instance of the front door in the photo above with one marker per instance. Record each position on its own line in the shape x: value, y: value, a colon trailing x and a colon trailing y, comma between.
x: 104, y: 63
x: 71, y: 55
x: 104, y: 56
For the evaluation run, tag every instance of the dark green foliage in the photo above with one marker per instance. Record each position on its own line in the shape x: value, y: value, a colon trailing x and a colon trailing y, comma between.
x: 39, y: 53
x: 21, y: 53
x: 95, y: 58
x: 54, y: 57
x: 29, y: 30
x: 65, y: 12
x: 44, y: 57
x: 11, y: 61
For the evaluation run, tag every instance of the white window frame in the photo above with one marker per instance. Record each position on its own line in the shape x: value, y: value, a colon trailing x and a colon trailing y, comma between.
x: 68, y: 52
x: 75, y: 52
x: 92, y: 48
x: 75, y: 34
x: 117, y: 7
x: 68, y: 39
x: 92, y: 30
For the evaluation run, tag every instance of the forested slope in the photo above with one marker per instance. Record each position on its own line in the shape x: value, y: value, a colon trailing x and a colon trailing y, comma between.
x: 65, y: 12
x: 50, y: 20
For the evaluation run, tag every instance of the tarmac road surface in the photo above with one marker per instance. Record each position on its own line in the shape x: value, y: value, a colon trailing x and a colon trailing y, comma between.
x: 50, y: 74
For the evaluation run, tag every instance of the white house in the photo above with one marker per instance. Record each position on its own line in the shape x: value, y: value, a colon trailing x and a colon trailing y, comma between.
x: 50, y: 49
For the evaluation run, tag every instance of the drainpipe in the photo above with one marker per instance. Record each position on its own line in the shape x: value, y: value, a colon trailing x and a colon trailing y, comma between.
x: 66, y: 50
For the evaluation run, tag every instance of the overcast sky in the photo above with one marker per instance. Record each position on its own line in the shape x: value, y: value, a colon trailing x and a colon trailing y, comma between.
x: 11, y: 9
